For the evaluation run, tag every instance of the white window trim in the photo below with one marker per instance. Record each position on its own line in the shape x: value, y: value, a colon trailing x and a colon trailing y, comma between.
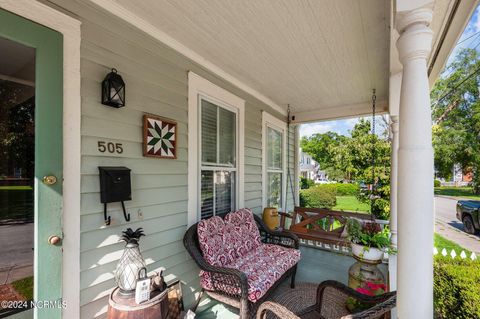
x: 200, y: 87
x: 269, y: 120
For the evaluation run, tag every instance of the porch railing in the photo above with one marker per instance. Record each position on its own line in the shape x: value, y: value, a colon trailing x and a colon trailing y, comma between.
x: 320, y: 227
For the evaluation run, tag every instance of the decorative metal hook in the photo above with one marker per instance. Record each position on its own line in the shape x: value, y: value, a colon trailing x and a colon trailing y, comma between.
x: 108, y: 219
x: 127, y: 216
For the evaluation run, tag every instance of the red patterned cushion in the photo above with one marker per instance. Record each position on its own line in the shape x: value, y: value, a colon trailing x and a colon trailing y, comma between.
x: 215, y: 241
x: 246, y: 235
x: 263, y: 267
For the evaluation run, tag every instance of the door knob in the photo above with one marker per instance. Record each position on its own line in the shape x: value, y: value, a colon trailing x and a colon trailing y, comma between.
x: 49, y: 179
x: 54, y: 240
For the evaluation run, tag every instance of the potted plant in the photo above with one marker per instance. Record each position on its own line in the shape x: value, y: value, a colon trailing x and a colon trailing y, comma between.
x: 370, y: 289
x: 369, y: 240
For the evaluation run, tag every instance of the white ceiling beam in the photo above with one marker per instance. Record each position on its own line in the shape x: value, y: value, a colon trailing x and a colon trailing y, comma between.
x: 339, y: 112
x: 17, y: 80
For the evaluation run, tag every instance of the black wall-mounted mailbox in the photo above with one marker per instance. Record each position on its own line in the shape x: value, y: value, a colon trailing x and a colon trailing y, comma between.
x: 115, y: 186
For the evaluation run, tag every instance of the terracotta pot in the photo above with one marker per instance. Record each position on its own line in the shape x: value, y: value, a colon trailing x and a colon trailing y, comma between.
x: 367, y: 254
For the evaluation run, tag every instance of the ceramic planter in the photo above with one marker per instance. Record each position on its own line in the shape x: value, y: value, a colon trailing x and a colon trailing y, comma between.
x: 367, y: 254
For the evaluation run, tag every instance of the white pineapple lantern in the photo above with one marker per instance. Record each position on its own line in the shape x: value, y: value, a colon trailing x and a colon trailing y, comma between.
x: 128, y: 267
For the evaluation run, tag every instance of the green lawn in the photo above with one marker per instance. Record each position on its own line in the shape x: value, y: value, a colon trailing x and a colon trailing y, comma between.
x: 15, y: 188
x: 465, y: 192
x: 441, y: 242
x: 24, y: 287
x: 351, y: 204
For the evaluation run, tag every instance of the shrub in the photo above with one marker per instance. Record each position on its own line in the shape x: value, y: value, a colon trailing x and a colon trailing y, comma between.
x: 456, y: 287
x: 437, y: 183
x: 347, y: 189
x: 381, y: 208
x: 306, y: 183
x: 318, y: 197
x: 341, y: 189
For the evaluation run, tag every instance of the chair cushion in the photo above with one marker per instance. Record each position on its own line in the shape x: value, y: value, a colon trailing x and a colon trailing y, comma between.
x: 263, y: 267
x: 246, y: 235
x: 215, y: 241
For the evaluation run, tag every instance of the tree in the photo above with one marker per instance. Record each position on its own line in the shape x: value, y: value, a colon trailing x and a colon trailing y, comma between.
x: 322, y: 147
x: 351, y: 158
x: 456, y: 117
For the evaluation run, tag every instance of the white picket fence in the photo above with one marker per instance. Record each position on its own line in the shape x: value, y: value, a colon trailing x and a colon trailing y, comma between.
x: 453, y: 254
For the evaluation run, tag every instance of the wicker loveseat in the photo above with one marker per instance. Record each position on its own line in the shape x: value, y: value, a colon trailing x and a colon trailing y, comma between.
x: 241, y: 261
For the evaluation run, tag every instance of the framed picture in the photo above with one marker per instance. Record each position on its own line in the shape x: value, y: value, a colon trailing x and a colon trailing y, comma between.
x: 159, y: 137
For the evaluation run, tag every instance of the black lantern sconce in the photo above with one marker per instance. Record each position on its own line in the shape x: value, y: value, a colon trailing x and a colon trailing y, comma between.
x: 113, y: 90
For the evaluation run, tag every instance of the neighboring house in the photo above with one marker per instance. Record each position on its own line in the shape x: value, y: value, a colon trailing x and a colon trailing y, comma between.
x: 310, y: 169
x: 224, y: 73
x: 459, y: 177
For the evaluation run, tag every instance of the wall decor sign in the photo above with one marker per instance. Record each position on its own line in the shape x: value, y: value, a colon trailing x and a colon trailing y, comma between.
x: 159, y: 137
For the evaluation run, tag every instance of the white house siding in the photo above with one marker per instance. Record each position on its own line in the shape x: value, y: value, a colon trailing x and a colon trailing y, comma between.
x: 156, y: 82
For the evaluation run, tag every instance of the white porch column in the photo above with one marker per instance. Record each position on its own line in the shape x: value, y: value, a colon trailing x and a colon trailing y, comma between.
x: 392, y: 269
x: 415, y: 168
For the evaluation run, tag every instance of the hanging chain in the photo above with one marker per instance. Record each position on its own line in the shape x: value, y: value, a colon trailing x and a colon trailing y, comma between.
x: 374, y: 99
x: 288, y: 162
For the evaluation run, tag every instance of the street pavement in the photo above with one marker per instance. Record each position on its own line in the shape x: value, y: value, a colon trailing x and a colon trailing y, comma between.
x: 447, y: 225
x: 16, y: 252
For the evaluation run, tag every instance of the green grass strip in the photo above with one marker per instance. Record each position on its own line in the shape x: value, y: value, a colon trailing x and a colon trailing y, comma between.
x: 24, y: 287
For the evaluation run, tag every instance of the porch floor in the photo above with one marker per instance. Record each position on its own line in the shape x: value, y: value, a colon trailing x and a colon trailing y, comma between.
x: 316, y: 265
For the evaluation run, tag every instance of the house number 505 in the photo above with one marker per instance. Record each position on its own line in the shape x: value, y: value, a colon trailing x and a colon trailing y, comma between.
x: 110, y: 147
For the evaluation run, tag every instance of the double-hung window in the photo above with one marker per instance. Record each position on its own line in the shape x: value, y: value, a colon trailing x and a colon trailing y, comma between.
x: 215, y: 149
x: 274, y: 161
x: 218, y: 132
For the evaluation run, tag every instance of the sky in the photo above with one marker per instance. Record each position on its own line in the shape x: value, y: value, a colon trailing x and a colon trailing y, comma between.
x: 470, y: 38
x: 342, y: 127
x: 471, y: 35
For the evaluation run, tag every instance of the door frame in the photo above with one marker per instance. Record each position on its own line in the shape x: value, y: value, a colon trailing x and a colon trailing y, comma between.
x: 70, y: 29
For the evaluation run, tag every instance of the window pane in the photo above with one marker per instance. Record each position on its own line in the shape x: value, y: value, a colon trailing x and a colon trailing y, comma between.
x: 274, y: 149
x: 209, y: 132
x: 224, y: 192
x: 227, y: 129
x: 207, y: 194
x: 274, y: 190
x: 217, y: 193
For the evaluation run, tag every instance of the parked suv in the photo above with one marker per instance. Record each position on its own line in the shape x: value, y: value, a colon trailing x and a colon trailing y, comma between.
x: 468, y: 214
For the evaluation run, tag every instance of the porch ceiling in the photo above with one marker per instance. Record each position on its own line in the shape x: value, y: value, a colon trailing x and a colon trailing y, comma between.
x: 312, y: 54
x: 323, y: 57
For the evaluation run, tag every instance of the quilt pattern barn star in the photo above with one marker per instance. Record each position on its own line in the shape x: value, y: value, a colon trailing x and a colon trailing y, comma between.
x: 159, y: 137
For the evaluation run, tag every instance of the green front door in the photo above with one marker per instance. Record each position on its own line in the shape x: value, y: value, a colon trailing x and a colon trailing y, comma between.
x: 31, y: 95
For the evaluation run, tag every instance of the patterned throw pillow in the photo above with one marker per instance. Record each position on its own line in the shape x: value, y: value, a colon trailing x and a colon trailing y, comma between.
x: 215, y: 242
x: 246, y: 235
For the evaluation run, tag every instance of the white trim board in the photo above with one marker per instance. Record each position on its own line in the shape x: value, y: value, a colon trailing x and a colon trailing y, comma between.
x: 70, y: 29
x: 269, y: 120
x: 198, y: 86
x: 140, y: 23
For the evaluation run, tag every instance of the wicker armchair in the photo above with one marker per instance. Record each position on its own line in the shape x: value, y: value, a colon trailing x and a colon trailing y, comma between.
x: 330, y: 304
x: 230, y: 285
